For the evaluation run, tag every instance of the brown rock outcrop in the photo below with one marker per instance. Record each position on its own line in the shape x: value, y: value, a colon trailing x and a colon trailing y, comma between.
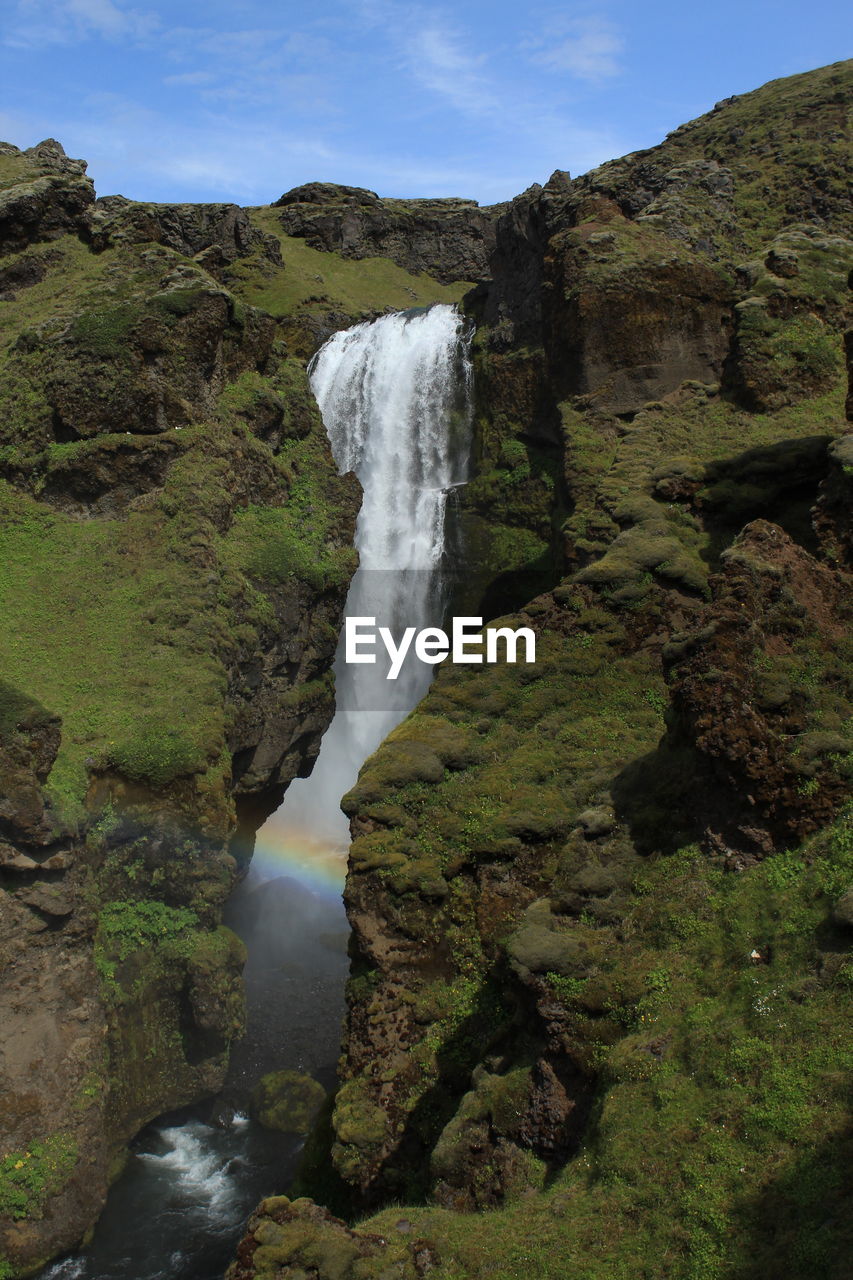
x: 216, y: 233
x: 48, y: 197
x: 758, y: 689
x: 448, y: 239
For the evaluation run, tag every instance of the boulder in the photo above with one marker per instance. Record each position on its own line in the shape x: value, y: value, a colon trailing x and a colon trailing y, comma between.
x: 287, y: 1101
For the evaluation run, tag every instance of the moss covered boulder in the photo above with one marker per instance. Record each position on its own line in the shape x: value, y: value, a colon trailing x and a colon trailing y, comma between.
x: 287, y: 1101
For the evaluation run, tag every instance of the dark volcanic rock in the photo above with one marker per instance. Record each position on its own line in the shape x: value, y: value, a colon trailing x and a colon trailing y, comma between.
x: 448, y: 239
x: 833, y: 513
x: 624, y: 314
x: 623, y: 331
x: 22, y: 273
x: 50, y: 196
x: 29, y: 741
x: 220, y: 233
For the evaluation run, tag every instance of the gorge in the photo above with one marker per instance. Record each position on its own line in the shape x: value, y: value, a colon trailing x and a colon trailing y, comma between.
x: 387, y: 391
x: 599, y: 983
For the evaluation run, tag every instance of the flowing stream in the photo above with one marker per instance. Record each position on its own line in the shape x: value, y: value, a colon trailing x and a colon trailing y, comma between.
x: 394, y: 395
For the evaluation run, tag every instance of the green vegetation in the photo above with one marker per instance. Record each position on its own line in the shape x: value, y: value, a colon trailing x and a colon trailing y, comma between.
x: 718, y: 1145
x: 70, y: 590
x: 29, y: 1178
x: 314, y: 280
x: 636, y: 500
x: 126, y: 586
x: 564, y: 904
x: 534, y: 833
x: 15, y: 169
x: 124, y: 927
x: 287, y: 1101
x: 770, y: 139
x: 105, y: 333
x: 127, y: 928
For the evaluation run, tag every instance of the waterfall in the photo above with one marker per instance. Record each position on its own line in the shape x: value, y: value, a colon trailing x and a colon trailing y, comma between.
x: 395, y: 399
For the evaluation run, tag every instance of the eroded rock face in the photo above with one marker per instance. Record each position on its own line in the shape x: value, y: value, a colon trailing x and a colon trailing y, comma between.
x: 29, y: 740
x: 217, y: 234
x: 448, y: 239
x: 499, y: 945
x: 742, y: 700
x: 144, y: 367
x: 625, y: 333
x: 833, y: 515
x: 639, y: 329
x: 49, y: 195
x: 143, y: 414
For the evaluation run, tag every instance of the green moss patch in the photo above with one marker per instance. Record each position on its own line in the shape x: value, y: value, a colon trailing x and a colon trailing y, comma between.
x: 29, y: 1178
x: 313, y: 280
x: 287, y: 1101
x: 719, y: 1142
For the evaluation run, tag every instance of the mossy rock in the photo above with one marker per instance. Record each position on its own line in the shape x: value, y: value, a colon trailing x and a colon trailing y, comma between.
x: 549, y: 823
x: 599, y: 821
x: 358, y: 1121
x: 540, y: 947
x: 456, y: 746
x: 642, y: 550
x: 287, y: 1101
x: 20, y: 711
x: 397, y: 763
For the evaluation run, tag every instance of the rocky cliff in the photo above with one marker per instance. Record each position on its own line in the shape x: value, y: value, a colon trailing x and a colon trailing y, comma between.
x: 600, y: 906
x: 176, y: 548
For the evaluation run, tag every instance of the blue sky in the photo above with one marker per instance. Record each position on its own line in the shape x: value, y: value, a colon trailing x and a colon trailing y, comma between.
x: 242, y: 100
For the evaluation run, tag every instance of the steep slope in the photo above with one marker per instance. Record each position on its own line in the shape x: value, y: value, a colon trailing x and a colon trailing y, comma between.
x: 601, y: 985
x: 176, y: 549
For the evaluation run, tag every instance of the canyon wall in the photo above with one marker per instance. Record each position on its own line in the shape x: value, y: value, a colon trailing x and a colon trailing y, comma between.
x: 176, y: 549
x: 600, y: 906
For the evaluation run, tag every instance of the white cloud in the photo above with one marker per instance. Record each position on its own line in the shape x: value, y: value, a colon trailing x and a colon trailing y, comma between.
x: 438, y: 61
x: 46, y: 22
x: 590, y: 50
x: 269, y: 68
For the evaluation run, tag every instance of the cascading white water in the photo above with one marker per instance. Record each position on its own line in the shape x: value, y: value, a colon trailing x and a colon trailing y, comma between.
x: 394, y: 395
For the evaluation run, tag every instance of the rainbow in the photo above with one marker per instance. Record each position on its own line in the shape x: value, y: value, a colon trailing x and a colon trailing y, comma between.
x: 284, y: 847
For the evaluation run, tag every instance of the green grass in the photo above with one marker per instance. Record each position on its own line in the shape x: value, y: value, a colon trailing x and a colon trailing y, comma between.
x: 314, y: 280
x: 93, y: 610
x: 126, y: 926
x: 721, y: 1153
x: 769, y: 139
x: 14, y: 169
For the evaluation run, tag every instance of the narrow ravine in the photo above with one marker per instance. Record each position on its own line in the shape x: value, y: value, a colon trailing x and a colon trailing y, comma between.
x: 395, y: 397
